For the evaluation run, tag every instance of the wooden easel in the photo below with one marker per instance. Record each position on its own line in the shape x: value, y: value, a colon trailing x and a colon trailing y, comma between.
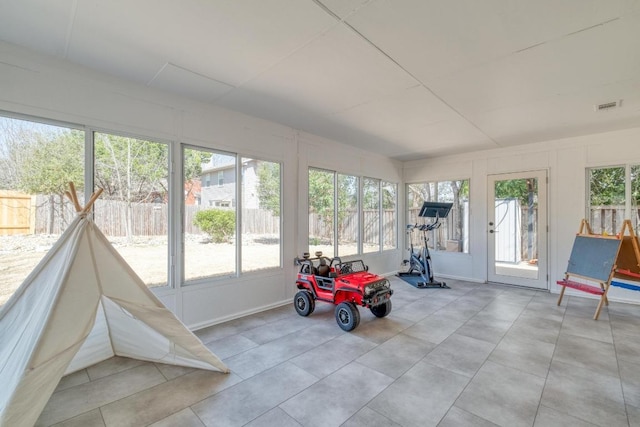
x: 628, y: 262
x: 585, y: 228
x: 595, y: 258
x: 81, y: 210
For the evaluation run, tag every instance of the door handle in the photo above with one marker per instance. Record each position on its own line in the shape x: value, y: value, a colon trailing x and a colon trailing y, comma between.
x: 490, y: 231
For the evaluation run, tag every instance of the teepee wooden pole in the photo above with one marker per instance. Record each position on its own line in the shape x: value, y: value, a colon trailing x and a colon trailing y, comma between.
x: 71, y: 194
x: 91, y: 201
x: 70, y: 197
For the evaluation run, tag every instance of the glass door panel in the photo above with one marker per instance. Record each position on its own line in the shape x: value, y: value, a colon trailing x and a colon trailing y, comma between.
x: 517, y: 229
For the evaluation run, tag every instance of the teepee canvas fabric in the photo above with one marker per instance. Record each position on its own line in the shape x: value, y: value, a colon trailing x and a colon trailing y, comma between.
x: 81, y: 305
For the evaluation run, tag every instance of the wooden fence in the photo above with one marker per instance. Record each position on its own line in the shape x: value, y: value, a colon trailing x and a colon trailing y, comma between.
x: 23, y: 214
x: 16, y: 213
x: 609, y: 219
x: 146, y: 219
x: 348, y: 230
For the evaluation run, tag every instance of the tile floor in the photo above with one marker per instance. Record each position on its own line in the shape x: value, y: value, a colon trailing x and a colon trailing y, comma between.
x: 473, y: 355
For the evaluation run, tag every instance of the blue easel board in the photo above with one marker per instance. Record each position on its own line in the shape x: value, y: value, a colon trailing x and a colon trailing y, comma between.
x: 593, y: 257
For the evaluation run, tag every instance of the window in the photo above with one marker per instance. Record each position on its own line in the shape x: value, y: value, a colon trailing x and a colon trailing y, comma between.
x: 209, y: 228
x: 389, y: 215
x: 38, y: 160
x: 133, y: 208
x: 261, y: 208
x: 210, y: 248
x: 452, y: 236
x: 36, y: 163
x: 613, y: 195
x: 371, y: 215
x: 365, y: 217
x: 321, y: 211
x: 348, y: 223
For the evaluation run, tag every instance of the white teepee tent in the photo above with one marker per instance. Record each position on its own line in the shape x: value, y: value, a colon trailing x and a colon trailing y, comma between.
x: 81, y: 305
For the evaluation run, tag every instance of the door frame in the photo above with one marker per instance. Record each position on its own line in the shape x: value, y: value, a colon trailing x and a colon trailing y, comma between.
x: 542, y: 280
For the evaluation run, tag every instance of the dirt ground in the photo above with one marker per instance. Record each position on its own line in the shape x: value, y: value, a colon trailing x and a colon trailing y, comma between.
x: 19, y: 255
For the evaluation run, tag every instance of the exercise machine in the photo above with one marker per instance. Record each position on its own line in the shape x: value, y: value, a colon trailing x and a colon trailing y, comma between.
x: 420, y: 260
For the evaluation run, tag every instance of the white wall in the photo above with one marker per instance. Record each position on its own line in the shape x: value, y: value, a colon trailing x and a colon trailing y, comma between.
x: 565, y: 160
x: 48, y: 88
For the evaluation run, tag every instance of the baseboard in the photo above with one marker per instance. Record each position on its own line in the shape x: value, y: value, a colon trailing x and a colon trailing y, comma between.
x: 202, y: 325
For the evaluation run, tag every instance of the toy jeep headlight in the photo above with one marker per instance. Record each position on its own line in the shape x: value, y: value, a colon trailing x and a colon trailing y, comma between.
x: 368, y: 290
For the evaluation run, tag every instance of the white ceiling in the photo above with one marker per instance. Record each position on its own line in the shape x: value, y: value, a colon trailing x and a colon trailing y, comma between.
x: 407, y: 79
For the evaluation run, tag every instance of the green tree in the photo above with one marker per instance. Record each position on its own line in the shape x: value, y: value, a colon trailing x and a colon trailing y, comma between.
x: 219, y: 224
x: 131, y: 170
x: 389, y: 196
x: 607, y: 186
x: 269, y: 186
x: 419, y: 193
x: 193, y: 161
x: 192, y: 168
x: 635, y: 185
x: 515, y: 189
x: 347, y: 202
x: 15, y: 140
x: 371, y: 193
x: 52, y: 162
x: 41, y: 159
x: 321, y: 197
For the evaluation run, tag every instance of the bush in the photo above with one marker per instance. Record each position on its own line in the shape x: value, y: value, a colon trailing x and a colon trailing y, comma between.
x: 219, y: 224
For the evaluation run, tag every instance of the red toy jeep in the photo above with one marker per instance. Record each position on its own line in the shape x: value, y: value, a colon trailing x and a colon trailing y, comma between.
x: 345, y: 284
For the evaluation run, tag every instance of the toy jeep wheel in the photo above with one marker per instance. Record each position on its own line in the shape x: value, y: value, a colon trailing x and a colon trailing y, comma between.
x: 382, y: 310
x: 304, y: 303
x: 347, y: 316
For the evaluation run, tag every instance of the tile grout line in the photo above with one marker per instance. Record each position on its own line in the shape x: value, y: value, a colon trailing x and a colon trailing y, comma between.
x: 555, y: 347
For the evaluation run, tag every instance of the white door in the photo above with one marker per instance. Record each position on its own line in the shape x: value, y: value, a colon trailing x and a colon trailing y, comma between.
x: 517, y: 229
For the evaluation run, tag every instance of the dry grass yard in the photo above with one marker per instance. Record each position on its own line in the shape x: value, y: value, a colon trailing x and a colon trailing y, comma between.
x: 147, y: 256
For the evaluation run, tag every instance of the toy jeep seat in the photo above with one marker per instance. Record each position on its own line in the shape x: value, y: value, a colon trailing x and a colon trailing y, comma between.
x: 323, y: 268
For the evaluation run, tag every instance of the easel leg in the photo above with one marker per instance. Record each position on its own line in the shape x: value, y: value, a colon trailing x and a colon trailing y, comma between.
x: 561, y: 295
x: 603, y: 299
x: 604, y: 296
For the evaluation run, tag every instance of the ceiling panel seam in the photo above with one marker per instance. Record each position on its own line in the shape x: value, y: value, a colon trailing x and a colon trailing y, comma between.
x: 72, y: 20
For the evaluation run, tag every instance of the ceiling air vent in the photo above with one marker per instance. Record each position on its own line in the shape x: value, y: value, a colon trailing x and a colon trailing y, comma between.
x: 607, y: 105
